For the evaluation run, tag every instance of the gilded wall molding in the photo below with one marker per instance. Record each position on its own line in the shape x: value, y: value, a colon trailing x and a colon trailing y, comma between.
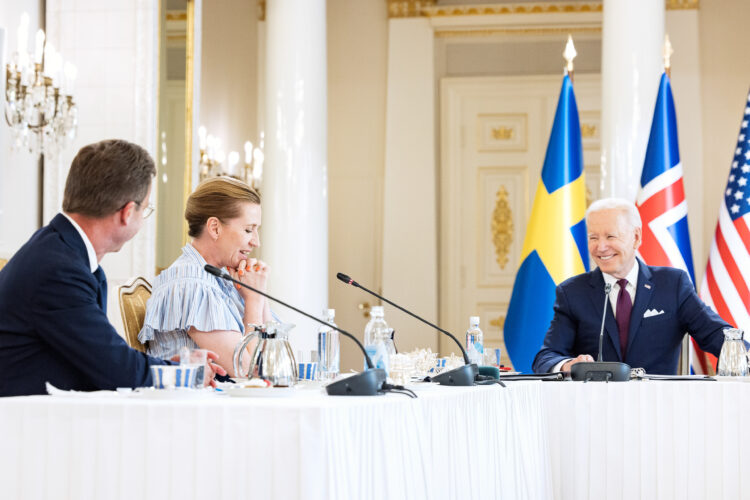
x: 469, y: 32
x: 429, y: 8
x: 511, y: 8
x: 408, y: 8
x: 682, y: 4
x: 502, y: 227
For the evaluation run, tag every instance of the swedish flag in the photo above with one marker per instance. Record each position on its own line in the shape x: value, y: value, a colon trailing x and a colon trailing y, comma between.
x: 555, y: 246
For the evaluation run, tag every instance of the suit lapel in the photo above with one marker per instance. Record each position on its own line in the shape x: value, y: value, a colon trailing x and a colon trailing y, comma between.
x: 597, y: 299
x: 644, y: 289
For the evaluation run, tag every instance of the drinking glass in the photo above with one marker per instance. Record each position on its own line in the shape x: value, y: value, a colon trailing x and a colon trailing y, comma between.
x: 198, y: 359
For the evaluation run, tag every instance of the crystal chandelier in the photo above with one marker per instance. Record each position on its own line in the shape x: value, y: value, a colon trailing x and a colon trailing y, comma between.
x: 39, y: 106
x: 213, y: 159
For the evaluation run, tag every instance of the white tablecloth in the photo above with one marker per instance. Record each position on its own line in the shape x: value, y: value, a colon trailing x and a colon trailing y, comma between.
x: 462, y: 443
x: 567, y: 441
x: 660, y: 440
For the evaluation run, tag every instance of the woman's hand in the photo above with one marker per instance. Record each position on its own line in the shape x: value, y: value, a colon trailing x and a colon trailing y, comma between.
x: 213, y: 369
x: 254, y: 273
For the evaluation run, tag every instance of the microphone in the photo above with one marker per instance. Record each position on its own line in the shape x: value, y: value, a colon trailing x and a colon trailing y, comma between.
x: 367, y: 383
x: 599, y: 370
x: 463, y: 375
x: 607, y: 289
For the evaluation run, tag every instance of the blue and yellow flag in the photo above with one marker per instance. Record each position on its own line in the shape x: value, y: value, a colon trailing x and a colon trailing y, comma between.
x: 555, y: 246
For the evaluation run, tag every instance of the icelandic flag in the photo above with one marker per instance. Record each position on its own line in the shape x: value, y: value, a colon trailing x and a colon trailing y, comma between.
x: 661, y: 198
x: 555, y: 246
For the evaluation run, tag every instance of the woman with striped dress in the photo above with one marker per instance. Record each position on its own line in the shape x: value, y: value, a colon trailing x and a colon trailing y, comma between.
x: 192, y: 308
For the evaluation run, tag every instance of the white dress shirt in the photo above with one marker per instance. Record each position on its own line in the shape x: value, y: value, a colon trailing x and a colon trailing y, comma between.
x: 93, y: 263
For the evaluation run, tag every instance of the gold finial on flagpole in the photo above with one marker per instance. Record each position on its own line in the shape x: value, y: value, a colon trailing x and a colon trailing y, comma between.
x: 668, y: 56
x: 569, y: 54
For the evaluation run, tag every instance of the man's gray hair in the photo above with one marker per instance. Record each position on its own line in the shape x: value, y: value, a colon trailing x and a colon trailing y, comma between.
x: 626, y: 207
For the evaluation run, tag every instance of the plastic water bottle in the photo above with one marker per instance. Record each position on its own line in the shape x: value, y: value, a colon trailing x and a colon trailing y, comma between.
x: 376, y: 336
x: 475, y: 341
x: 329, y: 353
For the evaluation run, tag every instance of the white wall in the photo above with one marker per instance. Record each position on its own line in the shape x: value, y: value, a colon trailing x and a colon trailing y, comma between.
x: 725, y: 78
x: 18, y: 169
x: 114, y: 45
x: 357, y: 58
x: 682, y: 28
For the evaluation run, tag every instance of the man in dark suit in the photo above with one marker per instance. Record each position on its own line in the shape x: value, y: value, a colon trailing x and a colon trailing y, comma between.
x: 648, y: 310
x: 53, y: 293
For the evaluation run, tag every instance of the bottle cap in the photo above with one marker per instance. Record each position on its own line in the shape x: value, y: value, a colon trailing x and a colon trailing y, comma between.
x: 329, y: 313
x: 473, y: 320
x: 377, y: 311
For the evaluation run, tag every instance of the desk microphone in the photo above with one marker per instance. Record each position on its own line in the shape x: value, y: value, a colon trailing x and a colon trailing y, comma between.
x: 601, y: 370
x: 368, y: 383
x: 463, y: 375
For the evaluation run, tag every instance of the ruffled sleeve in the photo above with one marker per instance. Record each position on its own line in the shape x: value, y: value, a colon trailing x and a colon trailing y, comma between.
x: 186, y: 296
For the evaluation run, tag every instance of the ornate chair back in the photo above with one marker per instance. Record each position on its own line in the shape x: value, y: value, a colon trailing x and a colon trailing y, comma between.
x: 133, y: 296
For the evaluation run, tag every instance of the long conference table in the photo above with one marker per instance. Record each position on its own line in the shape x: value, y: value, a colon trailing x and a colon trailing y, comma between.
x: 531, y: 440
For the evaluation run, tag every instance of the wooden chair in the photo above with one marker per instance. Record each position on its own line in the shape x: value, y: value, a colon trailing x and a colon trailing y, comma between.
x: 133, y: 296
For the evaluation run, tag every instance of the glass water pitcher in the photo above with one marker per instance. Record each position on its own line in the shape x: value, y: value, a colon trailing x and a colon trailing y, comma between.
x: 733, y: 357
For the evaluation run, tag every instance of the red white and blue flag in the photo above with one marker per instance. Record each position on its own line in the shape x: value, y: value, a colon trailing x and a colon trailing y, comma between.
x: 661, y: 201
x: 727, y: 282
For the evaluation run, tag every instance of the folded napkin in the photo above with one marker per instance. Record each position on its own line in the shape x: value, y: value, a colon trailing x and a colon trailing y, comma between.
x: 54, y: 391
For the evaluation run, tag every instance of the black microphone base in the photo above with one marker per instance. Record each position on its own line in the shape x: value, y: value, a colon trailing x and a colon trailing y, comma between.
x: 600, y: 371
x: 462, y: 376
x: 367, y: 383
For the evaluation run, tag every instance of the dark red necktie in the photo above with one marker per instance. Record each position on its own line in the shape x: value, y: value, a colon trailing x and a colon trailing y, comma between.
x: 624, y: 308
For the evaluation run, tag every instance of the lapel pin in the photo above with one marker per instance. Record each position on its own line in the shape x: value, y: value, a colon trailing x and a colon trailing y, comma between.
x: 647, y: 286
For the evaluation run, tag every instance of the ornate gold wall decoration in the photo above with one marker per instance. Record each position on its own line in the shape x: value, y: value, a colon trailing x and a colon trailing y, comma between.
x: 408, y: 8
x: 499, y: 322
x: 429, y: 8
x: 469, y: 32
x: 682, y: 4
x: 502, y: 227
x: 588, y: 130
x: 503, y: 133
x: 511, y: 8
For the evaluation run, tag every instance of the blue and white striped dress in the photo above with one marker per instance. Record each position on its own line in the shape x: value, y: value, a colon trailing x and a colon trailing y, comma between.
x: 184, y: 296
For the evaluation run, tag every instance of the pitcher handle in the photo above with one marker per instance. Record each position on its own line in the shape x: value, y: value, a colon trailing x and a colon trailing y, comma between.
x: 240, y: 348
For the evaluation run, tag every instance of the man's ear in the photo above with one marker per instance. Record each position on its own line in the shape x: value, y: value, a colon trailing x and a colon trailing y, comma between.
x: 638, y: 240
x: 126, y: 213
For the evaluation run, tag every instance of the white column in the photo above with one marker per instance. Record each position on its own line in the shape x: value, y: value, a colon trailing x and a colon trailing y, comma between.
x: 295, y: 193
x: 632, y: 40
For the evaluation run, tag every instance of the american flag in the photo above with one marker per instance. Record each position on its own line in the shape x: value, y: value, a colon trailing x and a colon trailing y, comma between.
x: 725, y: 286
x: 661, y: 201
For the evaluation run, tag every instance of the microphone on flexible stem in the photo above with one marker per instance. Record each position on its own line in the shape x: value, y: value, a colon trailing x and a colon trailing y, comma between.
x: 368, y: 383
x: 463, y: 375
x: 601, y: 371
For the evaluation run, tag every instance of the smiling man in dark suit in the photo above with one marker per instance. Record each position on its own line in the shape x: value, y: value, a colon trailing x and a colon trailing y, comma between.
x: 53, y: 293
x: 649, y: 308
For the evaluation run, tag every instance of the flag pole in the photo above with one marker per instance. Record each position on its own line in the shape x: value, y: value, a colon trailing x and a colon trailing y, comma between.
x: 569, y: 54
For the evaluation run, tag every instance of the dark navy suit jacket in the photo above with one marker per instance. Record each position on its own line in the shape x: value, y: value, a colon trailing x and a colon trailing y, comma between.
x: 653, y: 340
x: 53, y: 321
